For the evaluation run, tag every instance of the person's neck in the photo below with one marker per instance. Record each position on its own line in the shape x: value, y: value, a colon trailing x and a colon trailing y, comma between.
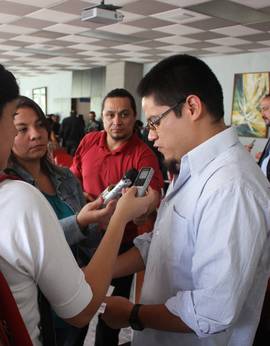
x: 207, y: 131
x: 113, y: 144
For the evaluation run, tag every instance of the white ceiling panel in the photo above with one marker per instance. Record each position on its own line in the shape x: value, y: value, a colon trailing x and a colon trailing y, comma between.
x: 38, y: 3
x: 14, y: 29
x: 53, y: 16
x: 7, y: 18
x: 119, y: 28
x: 236, y: 31
x: 65, y: 28
x: 228, y: 41
x: 49, y: 35
x: 178, y: 29
x: 253, y: 3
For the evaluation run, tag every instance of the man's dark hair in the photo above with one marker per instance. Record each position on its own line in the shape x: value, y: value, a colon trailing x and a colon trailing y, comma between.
x: 9, y: 89
x: 179, y: 76
x: 120, y: 93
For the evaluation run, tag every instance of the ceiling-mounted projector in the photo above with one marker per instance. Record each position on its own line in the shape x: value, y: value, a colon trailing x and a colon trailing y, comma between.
x: 104, y: 14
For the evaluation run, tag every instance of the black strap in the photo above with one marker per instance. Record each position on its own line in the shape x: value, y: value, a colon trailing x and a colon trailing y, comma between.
x: 46, y: 326
x: 265, y: 152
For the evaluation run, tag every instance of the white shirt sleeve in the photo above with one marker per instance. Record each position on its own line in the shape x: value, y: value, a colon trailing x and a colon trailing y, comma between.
x: 225, y: 261
x: 42, y: 253
x: 143, y: 242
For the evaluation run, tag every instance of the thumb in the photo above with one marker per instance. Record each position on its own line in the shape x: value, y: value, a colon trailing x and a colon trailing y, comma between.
x: 132, y: 190
x: 97, y: 203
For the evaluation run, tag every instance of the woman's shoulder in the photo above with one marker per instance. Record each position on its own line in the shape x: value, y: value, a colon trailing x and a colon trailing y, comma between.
x: 58, y: 171
x: 65, y: 173
x: 19, y: 193
x: 66, y: 177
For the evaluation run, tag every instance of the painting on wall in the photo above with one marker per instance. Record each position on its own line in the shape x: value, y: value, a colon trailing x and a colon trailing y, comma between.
x: 39, y: 95
x: 249, y: 88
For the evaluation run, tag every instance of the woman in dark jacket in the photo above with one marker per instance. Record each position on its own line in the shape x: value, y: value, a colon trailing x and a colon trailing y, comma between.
x: 31, y: 162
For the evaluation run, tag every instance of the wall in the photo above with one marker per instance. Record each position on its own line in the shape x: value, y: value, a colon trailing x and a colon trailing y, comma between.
x: 90, y: 83
x: 58, y: 90
x: 125, y: 75
x: 61, y: 87
x: 225, y: 67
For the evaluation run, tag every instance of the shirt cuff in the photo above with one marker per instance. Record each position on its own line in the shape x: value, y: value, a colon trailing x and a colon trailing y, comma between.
x: 72, y: 231
x: 142, y: 243
x: 78, y: 302
x: 182, y: 306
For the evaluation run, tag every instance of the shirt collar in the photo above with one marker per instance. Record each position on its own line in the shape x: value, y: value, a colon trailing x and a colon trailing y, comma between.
x: 53, y: 173
x: 206, y: 152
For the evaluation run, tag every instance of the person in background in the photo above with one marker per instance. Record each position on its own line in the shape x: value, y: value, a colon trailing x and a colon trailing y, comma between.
x: 30, y: 161
x: 56, y: 126
x: 102, y: 159
x: 34, y: 252
x: 72, y: 131
x: 265, y: 155
x: 138, y: 127
x: 93, y: 124
x: 263, y: 331
x: 54, y: 129
x: 208, y: 258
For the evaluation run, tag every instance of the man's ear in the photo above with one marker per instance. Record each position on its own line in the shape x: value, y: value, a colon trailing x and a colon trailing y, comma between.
x: 194, y: 106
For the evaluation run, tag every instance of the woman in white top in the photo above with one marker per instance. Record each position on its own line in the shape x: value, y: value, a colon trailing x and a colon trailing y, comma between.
x: 33, y: 249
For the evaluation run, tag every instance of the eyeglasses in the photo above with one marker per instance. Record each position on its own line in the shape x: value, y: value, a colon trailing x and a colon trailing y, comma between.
x: 154, y: 122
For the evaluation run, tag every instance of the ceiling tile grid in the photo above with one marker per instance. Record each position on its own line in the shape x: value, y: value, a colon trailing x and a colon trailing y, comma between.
x: 44, y: 36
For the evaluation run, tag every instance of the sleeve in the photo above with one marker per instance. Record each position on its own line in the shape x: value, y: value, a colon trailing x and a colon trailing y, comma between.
x: 77, y: 161
x: 142, y: 243
x: 74, y: 234
x: 47, y: 257
x: 79, y: 191
x: 72, y: 231
x: 228, y: 247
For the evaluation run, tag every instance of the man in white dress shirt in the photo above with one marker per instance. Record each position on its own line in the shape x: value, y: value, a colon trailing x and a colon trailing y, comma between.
x: 207, y: 260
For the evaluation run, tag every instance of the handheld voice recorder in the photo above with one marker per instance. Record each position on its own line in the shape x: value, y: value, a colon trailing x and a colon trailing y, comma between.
x: 143, y: 179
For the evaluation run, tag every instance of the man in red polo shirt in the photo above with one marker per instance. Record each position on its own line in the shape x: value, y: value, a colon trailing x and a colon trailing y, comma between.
x: 103, y: 158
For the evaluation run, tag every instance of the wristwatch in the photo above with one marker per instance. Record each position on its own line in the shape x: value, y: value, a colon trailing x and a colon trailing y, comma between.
x: 134, y: 320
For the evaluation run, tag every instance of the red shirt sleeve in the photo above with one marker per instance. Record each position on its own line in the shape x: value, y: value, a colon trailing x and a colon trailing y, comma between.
x: 76, y: 163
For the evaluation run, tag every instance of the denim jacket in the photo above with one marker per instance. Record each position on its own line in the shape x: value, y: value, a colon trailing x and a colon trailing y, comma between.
x: 69, y: 190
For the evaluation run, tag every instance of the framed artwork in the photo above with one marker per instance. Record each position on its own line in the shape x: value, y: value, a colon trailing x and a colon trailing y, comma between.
x: 249, y: 88
x: 39, y: 95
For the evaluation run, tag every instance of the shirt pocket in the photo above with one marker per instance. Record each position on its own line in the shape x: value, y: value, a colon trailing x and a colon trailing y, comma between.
x: 181, y: 243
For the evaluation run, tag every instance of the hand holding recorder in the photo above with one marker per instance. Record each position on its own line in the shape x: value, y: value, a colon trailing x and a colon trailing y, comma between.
x: 129, y: 204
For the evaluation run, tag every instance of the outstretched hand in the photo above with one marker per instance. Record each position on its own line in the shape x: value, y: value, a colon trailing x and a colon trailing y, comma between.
x: 93, y: 212
x: 130, y: 207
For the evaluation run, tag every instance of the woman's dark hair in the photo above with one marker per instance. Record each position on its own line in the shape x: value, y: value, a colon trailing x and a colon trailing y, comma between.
x: 9, y: 89
x: 119, y: 92
x: 26, y: 102
x: 179, y: 76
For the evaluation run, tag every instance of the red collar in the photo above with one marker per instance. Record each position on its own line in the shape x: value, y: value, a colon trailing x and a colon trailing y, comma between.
x: 7, y: 176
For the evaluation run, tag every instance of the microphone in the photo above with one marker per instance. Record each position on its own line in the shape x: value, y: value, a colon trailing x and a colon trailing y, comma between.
x: 114, y: 191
